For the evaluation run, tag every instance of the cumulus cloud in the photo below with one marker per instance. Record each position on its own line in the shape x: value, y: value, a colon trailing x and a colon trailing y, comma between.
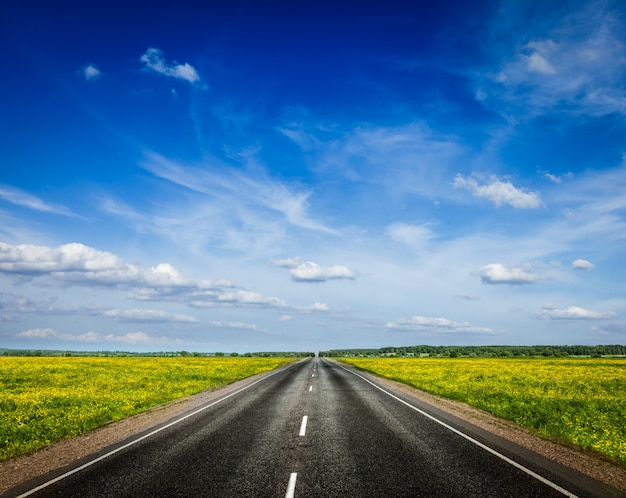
x: 146, y: 315
x: 153, y: 60
x: 312, y: 272
x: 496, y: 273
x: 319, y: 307
x: 137, y: 338
x: 90, y: 72
x: 78, y: 264
x: 46, y: 333
x: 130, y: 338
x: 573, y: 313
x: 499, y: 192
x: 287, y: 263
x: 211, y: 299
x: 234, y: 325
x: 437, y: 325
x: 582, y: 264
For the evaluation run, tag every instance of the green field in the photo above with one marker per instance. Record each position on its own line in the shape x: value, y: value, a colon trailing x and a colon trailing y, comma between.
x: 44, y: 400
x: 581, y: 401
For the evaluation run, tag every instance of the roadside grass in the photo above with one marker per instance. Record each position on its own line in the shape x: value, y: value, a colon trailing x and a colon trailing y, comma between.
x: 581, y: 401
x: 43, y: 400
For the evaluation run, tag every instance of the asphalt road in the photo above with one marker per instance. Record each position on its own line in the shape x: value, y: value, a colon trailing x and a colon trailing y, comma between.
x: 315, y: 429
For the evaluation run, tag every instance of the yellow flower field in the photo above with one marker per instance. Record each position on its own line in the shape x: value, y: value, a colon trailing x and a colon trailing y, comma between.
x: 581, y: 401
x: 43, y: 400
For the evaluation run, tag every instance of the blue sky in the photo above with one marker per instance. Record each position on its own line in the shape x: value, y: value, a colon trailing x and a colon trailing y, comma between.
x: 239, y: 176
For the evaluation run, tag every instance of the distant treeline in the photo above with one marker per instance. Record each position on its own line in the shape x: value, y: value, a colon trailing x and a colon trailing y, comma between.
x: 160, y: 354
x: 483, y: 351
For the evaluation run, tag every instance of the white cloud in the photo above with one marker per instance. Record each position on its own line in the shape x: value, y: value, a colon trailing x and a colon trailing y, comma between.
x: 153, y: 60
x: 496, y: 273
x: 47, y: 333
x: 319, y: 307
x: 420, y: 158
x: 287, y: 263
x: 78, y: 264
x: 573, y: 313
x: 499, y: 192
x: 556, y: 179
x: 137, y: 338
x: 146, y: 315
x: 211, y: 299
x: 245, y: 193
x: 24, y: 199
x: 416, y: 236
x: 582, y: 264
x: 437, y: 325
x: 312, y: 272
x: 74, y: 257
x: 90, y: 72
x: 130, y: 338
x: 574, y: 63
x: 234, y: 325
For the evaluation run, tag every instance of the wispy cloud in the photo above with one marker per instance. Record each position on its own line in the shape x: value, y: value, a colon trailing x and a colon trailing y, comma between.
x: 153, y: 60
x: 24, y: 199
x: 90, y: 72
x: 573, y: 313
x: 437, y: 325
x: 499, y: 192
x: 574, y: 63
x: 555, y: 178
x: 419, y: 157
x: 244, y: 192
x: 415, y: 236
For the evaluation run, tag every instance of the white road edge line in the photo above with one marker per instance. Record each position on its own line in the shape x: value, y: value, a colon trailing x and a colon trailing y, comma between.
x: 303, y: 425
x: 145, y: 436
x: 471, y: 439
x: 291, y: 487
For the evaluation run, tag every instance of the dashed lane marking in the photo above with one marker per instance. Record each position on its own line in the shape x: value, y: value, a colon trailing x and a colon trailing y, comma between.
x: 303, y: 425
x: 291, y: 487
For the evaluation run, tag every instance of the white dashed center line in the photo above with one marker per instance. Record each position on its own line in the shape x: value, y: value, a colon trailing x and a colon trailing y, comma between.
x: 310, y: 388
x: 291, y: 487
x: 303, y: 425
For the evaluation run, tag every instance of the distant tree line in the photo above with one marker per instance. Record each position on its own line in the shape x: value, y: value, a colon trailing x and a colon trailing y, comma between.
x: 482, y: 351
x: 55, y: 352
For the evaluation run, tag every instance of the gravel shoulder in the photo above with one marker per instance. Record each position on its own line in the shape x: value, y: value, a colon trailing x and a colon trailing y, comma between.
x: 57, y: 455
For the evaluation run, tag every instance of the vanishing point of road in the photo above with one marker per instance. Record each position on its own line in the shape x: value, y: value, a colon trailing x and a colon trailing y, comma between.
x: 315, y: 429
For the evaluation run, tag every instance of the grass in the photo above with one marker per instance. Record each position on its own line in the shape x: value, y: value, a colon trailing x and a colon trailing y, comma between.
x: 44, y: 400
x: 575, y: 400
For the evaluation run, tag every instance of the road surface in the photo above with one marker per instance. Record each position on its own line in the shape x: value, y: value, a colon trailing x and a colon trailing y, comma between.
x: 315, y: 429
